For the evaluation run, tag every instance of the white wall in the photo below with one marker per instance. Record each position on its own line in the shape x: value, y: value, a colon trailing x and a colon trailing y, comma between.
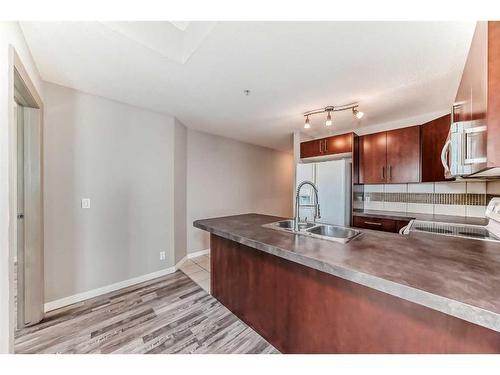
x: 123, y: 159
x: 10, y: 34
x: 227, y: 177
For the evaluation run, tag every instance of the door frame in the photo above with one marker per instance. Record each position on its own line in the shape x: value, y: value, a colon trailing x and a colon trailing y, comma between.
x: 31, y: 95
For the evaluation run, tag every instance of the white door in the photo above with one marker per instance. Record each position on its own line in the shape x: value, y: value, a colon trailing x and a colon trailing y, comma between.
x: 30, y: 217
x: 19, y: 278
x: 333, y: 181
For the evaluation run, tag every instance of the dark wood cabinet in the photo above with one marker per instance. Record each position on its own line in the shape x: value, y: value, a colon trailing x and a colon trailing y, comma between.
x: 390, y: 157
x: 471, y: 97
x: 478, y: 95
x: 372, y: 158
x: 302, y: 310
x: 493, y: 117
x: 382, y: 224
x: 433, y: 135
x: 386, y: 225
x: 337, y: 144
x: 403, y: 155
x: 311, y: 148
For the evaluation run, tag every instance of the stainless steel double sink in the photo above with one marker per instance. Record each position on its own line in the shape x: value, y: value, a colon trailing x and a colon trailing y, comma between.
x: 323, y: 231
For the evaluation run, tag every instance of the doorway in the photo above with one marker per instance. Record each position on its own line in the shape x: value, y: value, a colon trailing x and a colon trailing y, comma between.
x: 28, y: 225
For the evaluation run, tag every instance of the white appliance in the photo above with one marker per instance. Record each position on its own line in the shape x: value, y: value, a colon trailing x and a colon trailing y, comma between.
x: 333, y: 180
x: 465, y: 149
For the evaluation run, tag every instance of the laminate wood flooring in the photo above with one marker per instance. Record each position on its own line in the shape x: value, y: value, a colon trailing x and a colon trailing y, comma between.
x: 171, y: 314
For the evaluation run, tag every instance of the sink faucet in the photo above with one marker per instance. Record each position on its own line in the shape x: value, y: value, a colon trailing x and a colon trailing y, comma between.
x: 317, y: 214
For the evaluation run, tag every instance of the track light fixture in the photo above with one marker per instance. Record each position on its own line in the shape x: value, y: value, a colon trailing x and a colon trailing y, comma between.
x: 329, y: 122
x: 358, y: 114
x: 307, y: 125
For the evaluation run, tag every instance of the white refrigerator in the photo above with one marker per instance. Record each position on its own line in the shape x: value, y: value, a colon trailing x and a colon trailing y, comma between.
x: 333, y: 180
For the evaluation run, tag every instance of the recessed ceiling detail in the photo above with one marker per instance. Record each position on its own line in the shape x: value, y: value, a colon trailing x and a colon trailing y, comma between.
x: 400, y: 72
x: 176, y: 41
x: 181, y: 25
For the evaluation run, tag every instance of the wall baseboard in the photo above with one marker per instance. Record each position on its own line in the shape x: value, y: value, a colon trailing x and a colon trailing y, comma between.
x: 66, y: 301
x: 198, y: 253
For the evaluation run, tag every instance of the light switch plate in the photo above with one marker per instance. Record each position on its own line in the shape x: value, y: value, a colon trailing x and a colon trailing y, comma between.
x: 86, y: 203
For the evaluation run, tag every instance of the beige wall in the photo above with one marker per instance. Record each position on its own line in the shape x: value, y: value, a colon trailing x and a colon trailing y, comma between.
x: 227, y: 177
x: 10, y: 34
x: 180, y: 178
x: 122, y: 158
x: 148, y: 178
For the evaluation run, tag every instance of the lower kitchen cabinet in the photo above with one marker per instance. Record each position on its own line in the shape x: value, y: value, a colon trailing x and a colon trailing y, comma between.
x: 383, y: 224
x: 299, y: 309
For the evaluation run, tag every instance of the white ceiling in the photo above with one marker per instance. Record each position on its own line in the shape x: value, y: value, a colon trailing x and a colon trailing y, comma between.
x: 399, y: 72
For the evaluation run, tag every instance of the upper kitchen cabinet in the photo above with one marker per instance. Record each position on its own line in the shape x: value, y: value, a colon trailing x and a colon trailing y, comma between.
x: 337, y: 144
x: 373, y: 158
x: 493, y: 117
x: 390, y: 157
x: 403, y: 155
x: 478, y: 95
x: 433, y: 135
x: 311, y: 148
x: 471, y: 100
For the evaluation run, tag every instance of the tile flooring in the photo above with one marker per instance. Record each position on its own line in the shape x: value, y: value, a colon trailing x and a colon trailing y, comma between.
x: 198, y: 269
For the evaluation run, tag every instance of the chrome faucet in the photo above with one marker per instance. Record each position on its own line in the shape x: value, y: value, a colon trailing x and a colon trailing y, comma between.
x: 317, y: 214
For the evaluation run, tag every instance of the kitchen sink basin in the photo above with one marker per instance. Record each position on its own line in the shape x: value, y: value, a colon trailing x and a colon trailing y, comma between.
x: 322, y: 231
x: 289, y: 224
x: 333, y: 231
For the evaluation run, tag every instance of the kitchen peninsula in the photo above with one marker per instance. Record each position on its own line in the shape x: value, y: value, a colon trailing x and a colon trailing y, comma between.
x: 379, y: 293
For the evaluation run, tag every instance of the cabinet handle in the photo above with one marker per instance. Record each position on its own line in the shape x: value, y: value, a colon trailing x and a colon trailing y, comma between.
x: 326, y: 145
x: 372, y: 223
x: 383, y: 173
x: 320, y: 147
x: 390, y: 172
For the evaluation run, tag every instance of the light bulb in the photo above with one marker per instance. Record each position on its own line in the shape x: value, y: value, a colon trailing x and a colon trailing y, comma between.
x: 307, y: 124
x: 328, y: 121
x: 359, y: 115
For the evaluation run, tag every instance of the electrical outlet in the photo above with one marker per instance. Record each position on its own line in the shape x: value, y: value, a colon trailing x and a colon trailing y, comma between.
x: 162, y: 255
x: 86, y: 203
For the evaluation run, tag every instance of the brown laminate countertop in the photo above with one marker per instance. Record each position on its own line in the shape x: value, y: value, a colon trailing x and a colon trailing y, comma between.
x: 457, y: 276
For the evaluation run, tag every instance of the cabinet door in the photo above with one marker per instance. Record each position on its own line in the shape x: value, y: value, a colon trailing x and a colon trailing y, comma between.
x: 311, y: 148
x: 385, y: 225
x: 372, y: 155
x: 434, y: 134
x: 493, y: 119
x: 338, y: 144
x: 403, y: 155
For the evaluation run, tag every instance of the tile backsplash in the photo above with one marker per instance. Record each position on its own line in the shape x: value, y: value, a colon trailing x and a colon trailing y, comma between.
x: 440, y: 198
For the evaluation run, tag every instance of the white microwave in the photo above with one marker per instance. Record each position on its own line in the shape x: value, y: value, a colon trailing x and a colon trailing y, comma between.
x: 464, y: 152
